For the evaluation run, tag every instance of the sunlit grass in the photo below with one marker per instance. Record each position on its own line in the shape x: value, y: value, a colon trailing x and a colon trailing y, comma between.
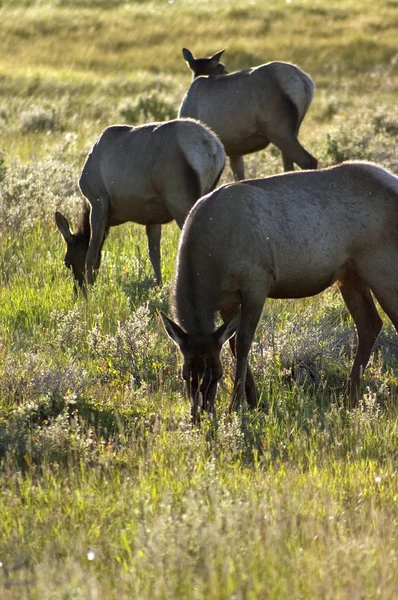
x: 168, y: 512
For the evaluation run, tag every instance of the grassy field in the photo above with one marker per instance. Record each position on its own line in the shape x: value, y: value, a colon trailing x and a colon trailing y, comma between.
x: 106, y: 491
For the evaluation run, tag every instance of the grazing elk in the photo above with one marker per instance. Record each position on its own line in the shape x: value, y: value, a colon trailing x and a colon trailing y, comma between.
x: 150, y: 175
x: 286, y: 236
x: 250, y: 109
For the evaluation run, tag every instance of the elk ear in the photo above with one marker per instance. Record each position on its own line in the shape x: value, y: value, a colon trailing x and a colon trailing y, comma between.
x: 227, y: 330
x: 216, y: 57
x: 63, y: 226
x: 174, y: 331
x: 188, y: 57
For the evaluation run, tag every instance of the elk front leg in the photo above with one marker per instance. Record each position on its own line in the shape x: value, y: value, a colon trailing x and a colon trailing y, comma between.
x: 238, y: 167
x: 250, y: 385
x: 153, y: 233
x: 250, y: 317
x: 98, y: 221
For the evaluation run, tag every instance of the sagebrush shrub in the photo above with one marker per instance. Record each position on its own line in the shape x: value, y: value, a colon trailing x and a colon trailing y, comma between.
x: 3, y: 168
x: 32, y: 375
x: 364, y: 136
x: 130, y: 351
x: 148, y: 107
x: 39, y: 119
x: 34, y: 191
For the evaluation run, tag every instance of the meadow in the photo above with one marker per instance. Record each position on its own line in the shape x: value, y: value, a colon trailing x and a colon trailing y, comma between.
x: 106, y: 490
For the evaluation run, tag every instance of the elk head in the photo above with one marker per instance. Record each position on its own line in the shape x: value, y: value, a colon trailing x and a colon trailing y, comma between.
x: 204, y: 66
x: 202, y: 368
x: 76, y: 251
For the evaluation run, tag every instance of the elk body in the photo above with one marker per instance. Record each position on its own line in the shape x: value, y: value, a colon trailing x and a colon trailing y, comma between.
x: 286, y: 236
x: 252, y: 108
x: 150, y: 175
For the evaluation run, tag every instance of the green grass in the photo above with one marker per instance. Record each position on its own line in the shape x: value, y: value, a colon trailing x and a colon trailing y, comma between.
x: 106, y: 491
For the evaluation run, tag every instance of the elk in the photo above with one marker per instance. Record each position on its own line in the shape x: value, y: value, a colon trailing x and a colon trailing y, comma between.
x: 252, y: 108
x: 287, y: 236
x: 150, y: 175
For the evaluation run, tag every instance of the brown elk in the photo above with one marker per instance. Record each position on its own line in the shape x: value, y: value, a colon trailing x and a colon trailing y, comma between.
x: 150, y: 175
x: 286, y: 236
x: 252, y: 108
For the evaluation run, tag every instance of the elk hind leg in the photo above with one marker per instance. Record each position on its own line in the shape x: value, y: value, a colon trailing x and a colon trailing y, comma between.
x: 282, y: 131
x: 293, y: 152
x: 359, y: 301
x: 288, y: 164
x: 379, y: 270
x: 181, y: 190
x: 381, y: 274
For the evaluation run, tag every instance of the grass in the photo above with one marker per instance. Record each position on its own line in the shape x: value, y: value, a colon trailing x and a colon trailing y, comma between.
x: 106, y: 491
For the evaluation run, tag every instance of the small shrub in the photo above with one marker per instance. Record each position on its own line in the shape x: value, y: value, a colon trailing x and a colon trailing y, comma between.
x: 383, y: 125
x: 29, y: 377
x: 331, y: 109
x: 347, y: 145
x: 130, y: 352
x: 148, y: 107
x: 365, y: 136
x: 39, y: 431
x: 34, y: 191
x: 38, y: 120
x: 3, y: 168
x: 304, y: 346
x: 69, y: 328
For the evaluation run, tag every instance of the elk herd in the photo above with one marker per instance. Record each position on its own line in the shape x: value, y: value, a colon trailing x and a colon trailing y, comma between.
x: 287, y: 236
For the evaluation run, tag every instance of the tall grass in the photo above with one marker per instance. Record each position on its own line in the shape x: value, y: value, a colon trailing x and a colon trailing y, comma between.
x: 106, y: 490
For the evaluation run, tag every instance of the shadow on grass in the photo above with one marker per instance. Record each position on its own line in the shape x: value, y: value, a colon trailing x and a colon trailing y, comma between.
x: 61, y: 431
